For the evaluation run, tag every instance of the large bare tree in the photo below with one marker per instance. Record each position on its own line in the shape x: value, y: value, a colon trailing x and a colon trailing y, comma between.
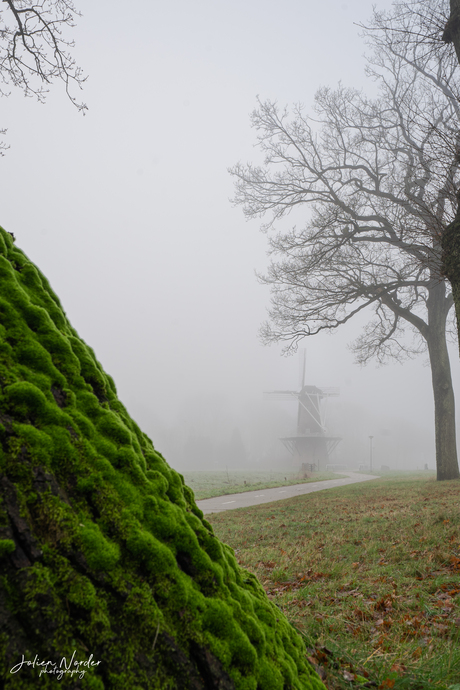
x: 379, y: 178
x: 425, y: 31
x: 451, y: 237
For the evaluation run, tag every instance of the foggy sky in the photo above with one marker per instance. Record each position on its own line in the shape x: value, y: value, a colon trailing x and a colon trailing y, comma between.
x: 127, y: 212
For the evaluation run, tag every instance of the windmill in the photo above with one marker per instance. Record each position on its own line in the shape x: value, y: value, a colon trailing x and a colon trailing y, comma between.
x: 311, y: 445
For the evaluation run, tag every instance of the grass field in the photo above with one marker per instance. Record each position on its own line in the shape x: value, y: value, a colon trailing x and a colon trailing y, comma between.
x: 368, y: 573
x: 210, y: 484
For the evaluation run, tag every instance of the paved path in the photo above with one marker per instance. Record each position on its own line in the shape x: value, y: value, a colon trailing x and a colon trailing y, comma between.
x: 253, y: 498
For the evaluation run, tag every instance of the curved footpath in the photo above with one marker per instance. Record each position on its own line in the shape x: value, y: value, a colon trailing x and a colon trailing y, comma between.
x: 253, y: 498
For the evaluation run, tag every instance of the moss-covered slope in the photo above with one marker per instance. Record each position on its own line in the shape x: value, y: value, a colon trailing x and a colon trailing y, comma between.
x: 103, y: 551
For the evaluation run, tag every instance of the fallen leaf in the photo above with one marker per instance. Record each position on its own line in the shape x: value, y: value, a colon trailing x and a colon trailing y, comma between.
x: 455, y: 562
x: 398, y: 668
x: 323, y: 658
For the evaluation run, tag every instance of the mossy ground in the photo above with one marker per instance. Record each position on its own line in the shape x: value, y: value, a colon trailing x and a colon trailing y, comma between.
x: 104, y: 553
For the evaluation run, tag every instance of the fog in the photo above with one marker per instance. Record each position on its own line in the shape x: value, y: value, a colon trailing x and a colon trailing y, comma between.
x: 126, y: 210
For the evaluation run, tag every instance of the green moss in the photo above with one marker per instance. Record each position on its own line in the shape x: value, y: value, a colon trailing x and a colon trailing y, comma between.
x: 83, y: 424
x: 82, y: 592
x: 88, y: 405
x: 112, y: 427
x: 6, y: 546
x: 270, y: 678
x: 100, y: 552
x: 150, y: 552
x: 35, y: 357
x: 103, y: 548
x: 26, y: 400
x: 158, y: 481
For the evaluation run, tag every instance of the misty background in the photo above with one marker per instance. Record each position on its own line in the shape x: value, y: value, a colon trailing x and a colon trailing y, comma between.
x: 126, y: 211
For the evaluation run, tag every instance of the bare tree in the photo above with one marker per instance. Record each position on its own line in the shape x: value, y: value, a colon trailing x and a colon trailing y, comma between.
x: 425, y: 32
x: 34, y: 49
x: 451, y: 236
x: 379, y: 177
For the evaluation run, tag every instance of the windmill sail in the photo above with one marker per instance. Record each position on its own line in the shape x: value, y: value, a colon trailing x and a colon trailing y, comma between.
x: 311, y: 445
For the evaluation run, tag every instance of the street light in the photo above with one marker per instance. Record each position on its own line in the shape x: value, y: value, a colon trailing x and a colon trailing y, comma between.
x: 370, y: 451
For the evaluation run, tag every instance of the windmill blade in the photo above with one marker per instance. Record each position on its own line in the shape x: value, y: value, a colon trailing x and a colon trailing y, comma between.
x: 316, y: 407
x: 281, y: 395
x: 330, y: 391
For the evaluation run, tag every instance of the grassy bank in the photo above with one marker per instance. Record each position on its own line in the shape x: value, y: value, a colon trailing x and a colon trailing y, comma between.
x: 210, y: 484
x: 369, y: 573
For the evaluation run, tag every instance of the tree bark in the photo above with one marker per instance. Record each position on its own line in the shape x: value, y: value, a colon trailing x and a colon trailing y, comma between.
x: 444, y: 403
x: 104, y: 556
x: 450, y: 242
x: 452, y: 29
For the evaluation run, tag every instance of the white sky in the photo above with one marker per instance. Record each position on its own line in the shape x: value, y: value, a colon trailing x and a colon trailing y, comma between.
x: 127, y: 212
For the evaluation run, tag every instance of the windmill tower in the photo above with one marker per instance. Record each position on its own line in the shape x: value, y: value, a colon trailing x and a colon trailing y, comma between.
x: 311, y: 444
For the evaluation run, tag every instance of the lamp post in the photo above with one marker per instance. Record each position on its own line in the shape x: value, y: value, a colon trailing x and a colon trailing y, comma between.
x: 370, y: 451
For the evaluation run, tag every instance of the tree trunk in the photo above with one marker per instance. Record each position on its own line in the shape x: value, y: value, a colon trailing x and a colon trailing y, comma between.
x: 444, y: 403
x: 105, y: 558
x: 450, y: 268
x: 452, y: 29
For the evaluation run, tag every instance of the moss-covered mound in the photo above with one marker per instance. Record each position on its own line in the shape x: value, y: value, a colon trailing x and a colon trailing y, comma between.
x: 104, y: 557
